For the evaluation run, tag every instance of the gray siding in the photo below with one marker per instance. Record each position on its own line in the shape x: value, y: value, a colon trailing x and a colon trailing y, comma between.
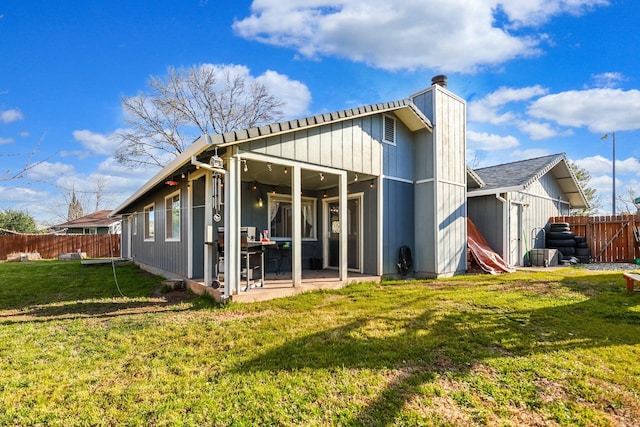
x: 440, y: 176
x: 398, y: 227
x: 350, y: 144
x: 124, y: 246
x: 486, y: 212
x: 398, y: 159
x: 198, y: 215
x: 538, y: 203
x: 168, y: 256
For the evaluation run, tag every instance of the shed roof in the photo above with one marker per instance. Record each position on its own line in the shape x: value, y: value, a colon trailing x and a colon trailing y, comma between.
x: 404, y: 109
x: 518, y: 176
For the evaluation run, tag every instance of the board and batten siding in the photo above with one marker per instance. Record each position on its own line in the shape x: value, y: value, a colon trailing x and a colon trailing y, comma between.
x: 169, y: 257
x: 539, y: 202
x: 398, y: 199
x: 398, y: 223
x: 440, y: 176
x: 349, y: 144
x: 487, y: 213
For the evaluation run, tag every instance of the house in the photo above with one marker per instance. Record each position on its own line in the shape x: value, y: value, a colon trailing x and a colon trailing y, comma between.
x: 342, y: 191
x: 511, y: 203
x: 99, y: 222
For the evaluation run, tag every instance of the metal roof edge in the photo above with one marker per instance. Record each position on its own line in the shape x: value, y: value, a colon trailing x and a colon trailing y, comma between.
x: 492, y: 191
x: 194, y: 149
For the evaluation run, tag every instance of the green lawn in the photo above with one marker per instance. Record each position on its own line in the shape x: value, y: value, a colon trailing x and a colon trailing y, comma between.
x: 545, y: 348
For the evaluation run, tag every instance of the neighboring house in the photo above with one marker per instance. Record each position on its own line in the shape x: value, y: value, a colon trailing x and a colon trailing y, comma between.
x: 349, y: 187
x: 99, y: 222
x: 510, y: 203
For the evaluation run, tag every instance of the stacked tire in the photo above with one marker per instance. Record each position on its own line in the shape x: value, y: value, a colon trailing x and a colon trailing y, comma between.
x: 569, y: 245
x: 583, y: 252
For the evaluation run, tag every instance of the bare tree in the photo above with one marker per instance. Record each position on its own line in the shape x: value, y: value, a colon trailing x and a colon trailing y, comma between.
x: 185, y: 104
x: 29, y: 163
x: 628, y: 199
x: 89, y: 201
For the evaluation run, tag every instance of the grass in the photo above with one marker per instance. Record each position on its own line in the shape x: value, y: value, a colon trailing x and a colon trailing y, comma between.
x: 550, y: 348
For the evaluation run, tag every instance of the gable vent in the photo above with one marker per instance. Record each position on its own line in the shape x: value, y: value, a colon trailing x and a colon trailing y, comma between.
x: 389, y: 131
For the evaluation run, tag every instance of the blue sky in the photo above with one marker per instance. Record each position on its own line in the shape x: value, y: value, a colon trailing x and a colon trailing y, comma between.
x: 539, y: 78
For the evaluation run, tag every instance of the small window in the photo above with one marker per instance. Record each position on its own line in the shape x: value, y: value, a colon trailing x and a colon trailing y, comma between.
x: 281, y: 214
x: 149, y: 223
x: 134, y: 225
x: 389, y: 130
x: 172, y: 216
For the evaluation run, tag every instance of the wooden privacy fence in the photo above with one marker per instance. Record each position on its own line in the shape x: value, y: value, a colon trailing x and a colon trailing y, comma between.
x: 610, y: 238
x: 49, y: 245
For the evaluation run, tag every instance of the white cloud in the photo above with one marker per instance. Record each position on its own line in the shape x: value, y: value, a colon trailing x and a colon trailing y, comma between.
x: 6, y: 140
x: 608, y: 80
x: 490, y: 142
x: 595, y: 165
x: 630, y: 165
x: 10, y: 116
x: 600, y: 110
x: 537, y: 131
x: 487, y: 109
x: 456, y: 35
x: 530, y: 153
x: 95, y: 142
x: 47, y: 171
x: 295, y: 94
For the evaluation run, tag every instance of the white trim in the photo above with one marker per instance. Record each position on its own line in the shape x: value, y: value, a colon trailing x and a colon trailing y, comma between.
x: 424, y: 181
x: 488, y: 192
x: 296, y: 225
x: 190, y: 227
x: 546, y: 198
x: 457, y: 184
x: 148, y: 231
x: 135, y: 223
x: 394, y: 178
x: 343, y: 193
x: 246, y: 155
x: 169, y: 213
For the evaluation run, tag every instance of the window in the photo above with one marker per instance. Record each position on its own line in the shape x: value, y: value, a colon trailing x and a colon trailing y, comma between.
x: 388, y: 129
x: 172, y: 216
x: 149, y: 223
x: 280, y: 215
x: 134, y: 226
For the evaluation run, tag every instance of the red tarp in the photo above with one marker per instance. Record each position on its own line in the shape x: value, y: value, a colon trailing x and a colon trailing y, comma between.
x: 490, y: 261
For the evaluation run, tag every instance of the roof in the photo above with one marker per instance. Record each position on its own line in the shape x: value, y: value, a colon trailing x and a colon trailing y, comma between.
x: 520, y: 175
x: 404, y: 109
x: 97, y: 219
x: 473, y: 179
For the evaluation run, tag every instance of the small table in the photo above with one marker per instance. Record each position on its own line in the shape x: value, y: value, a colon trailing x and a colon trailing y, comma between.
x: 249, y: 250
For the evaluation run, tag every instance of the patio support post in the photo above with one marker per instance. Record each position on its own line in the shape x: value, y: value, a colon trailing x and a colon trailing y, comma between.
x: 208, y: 222
x: 342, y: 206
x: 296, y: 219
x: 232, y: 218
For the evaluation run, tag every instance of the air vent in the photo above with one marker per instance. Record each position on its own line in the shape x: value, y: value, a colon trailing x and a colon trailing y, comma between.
x: 389, y: 130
